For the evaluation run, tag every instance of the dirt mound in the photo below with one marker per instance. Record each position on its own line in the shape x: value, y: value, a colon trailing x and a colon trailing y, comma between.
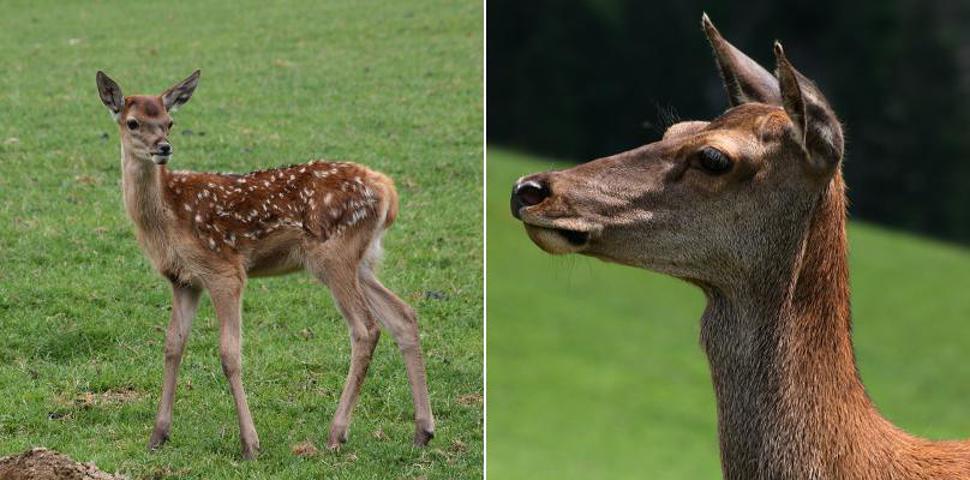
x: 44, y: 464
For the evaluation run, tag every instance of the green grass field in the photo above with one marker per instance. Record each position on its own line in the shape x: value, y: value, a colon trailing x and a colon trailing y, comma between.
x: 594, y: 370
x: 394, y: 85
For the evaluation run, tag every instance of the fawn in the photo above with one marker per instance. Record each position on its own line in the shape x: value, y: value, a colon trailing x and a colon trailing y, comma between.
x: 212, y: 231
x: 750, y: 207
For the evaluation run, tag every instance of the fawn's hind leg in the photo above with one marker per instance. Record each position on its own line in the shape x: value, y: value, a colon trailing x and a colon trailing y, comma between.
x: 399, y: 318
x: 339, y: 273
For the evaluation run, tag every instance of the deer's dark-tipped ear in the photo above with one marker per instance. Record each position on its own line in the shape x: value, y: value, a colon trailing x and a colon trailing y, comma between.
x: 180, y: 93
x: 744, y: 80
x: 110, y: 94
x: 816, y: 126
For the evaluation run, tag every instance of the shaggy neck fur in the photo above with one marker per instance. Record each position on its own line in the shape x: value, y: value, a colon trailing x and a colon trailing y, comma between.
x: 790, y: 401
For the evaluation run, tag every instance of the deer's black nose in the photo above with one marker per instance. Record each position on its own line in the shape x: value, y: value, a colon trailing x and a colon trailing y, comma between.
x: 527, y: 193
x: 164, y: 148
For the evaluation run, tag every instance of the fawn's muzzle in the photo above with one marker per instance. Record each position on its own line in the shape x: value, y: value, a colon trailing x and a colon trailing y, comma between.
x: 162, y: 153
x: 526, y: 194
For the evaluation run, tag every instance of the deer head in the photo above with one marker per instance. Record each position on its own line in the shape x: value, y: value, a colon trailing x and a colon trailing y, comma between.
x: 710, y: 201
x: 144, y: 120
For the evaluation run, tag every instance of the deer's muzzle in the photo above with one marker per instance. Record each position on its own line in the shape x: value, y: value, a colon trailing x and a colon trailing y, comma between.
x: 552, y: 235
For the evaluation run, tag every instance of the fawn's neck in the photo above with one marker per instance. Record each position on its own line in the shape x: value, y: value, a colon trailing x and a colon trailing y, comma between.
x: 141, y: 184
x: 790, y: 402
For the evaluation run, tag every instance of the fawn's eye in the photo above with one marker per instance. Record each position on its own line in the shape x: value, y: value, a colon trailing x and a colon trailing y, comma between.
x: 132, y: 124
x: 714, y: 161
x: 171, y: 124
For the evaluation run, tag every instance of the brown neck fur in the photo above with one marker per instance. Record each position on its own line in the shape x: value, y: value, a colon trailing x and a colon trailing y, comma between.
x: 142, y: 188
x: 790, y: 401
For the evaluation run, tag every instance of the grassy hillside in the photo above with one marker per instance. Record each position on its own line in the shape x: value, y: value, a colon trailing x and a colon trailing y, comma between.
x: 394, y: 85
x: 594, y: 370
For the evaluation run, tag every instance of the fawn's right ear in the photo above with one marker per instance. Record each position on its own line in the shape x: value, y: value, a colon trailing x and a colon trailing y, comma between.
x: 111, y: 95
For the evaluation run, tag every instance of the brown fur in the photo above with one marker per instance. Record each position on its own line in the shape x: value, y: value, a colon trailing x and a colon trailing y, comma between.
x: 212, y: 231
x: 766, y: 241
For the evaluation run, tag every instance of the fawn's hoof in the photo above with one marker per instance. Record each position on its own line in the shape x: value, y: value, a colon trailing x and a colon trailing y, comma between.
x: 158, y: 438
x: 338, y: 437
x: 249, y: 452
x: 422, y: 436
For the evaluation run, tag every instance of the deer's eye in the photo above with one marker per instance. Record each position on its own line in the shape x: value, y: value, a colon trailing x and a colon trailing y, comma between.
x: 171, y: 124
x: 714, y: 161
x: 132, y: 124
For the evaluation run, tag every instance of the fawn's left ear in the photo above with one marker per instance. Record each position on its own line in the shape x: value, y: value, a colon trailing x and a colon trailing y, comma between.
x: 110, y: 94
x: 817, y: 128
x: 180, y: 93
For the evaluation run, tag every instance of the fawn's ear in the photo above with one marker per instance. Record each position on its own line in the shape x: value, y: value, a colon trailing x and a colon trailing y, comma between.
x: 110, y: 94
x: 744, y: 80
x: 180, y: 93
x: 817, y: 128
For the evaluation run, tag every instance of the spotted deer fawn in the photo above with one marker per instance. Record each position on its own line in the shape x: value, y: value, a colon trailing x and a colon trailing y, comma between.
x: 750, y: 207
x: 212, y: 231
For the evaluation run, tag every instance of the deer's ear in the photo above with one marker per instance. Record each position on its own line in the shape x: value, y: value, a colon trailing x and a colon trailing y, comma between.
x: 110, y: 94
x: 744, y: 80
x: 817, y: 128
x: 180, y: 93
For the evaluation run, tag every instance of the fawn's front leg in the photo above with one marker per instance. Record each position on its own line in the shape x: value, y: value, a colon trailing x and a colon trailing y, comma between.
x: 227, y: 300
x: 185, y: 301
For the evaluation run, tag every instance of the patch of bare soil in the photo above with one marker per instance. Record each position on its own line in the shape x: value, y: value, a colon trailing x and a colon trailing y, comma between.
x: 109, y: 397
x: 44, y: 464
x: 305, y: 449
x: 470, y: 399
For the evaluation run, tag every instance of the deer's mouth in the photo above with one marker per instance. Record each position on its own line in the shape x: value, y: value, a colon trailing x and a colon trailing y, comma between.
x: 574, y: 237
x: 558, y: 240
x: 559, y: 236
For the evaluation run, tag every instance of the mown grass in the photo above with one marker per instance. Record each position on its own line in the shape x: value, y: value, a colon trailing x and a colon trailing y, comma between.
x: 394, y: 85
x: 594, y: 370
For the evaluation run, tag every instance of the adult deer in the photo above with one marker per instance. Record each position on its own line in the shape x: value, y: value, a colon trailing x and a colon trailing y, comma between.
x: 212, y: 231
x: 750, y: 207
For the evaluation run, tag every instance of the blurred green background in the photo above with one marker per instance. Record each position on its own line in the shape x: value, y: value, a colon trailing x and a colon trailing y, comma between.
x: 393, y: 85
x: 594, y: 370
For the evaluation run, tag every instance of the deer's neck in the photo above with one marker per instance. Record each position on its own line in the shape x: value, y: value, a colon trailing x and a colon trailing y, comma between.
x: 790, y: 402
x: 141, y: 184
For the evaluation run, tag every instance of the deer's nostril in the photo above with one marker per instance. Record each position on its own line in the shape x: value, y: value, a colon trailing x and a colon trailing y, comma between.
x: 165, y: 148
x: 527, y: 194
x: 531, y: 192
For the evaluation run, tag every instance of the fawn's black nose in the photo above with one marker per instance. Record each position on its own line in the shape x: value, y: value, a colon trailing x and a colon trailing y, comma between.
x: 164, y: 148
x: 527, y: 193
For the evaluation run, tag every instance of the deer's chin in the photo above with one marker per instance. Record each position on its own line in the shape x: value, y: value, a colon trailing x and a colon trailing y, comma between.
x: 558, y: 241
